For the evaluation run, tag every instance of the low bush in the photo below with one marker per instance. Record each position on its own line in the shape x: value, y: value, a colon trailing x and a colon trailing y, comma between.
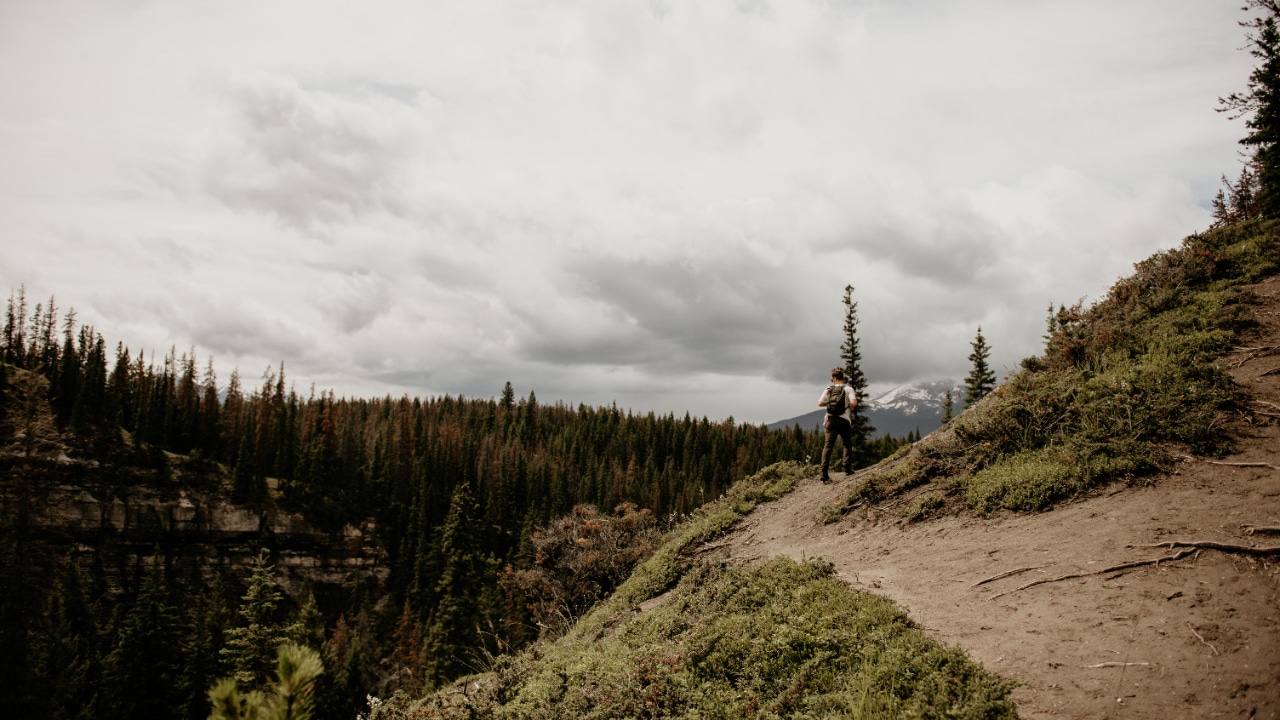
x: 784, y: 639
x: 578, y: 560
x: 1119, y: 383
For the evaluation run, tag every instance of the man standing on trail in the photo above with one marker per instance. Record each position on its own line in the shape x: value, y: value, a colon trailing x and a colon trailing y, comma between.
x: 839, y: 400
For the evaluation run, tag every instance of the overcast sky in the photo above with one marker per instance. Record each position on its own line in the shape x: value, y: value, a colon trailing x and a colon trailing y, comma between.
x: 657, y: 203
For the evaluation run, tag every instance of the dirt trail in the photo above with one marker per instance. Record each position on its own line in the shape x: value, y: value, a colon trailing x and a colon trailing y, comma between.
x: 1199, y: 637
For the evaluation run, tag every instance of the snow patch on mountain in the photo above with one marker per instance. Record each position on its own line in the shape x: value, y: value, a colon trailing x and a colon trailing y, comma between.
x: 918, y: 397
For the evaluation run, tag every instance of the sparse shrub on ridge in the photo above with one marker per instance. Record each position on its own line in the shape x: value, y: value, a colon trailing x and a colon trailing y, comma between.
x: 1121, y: 383
x: 580, y: 559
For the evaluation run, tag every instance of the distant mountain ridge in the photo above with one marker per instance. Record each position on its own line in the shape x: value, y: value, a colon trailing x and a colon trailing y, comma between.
x: 917, y: 406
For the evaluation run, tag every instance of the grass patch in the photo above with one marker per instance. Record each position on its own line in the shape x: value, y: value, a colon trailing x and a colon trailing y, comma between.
x: 784, y: 639
x: 925, y: 507
x: 1119, y: 383
x: 664, y: 567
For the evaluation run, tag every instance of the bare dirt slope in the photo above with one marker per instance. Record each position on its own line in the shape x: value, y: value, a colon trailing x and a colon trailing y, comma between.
x: 1196, y: 637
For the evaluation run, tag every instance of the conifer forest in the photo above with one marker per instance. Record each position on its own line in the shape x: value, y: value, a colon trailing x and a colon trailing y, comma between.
x: 495, y: 521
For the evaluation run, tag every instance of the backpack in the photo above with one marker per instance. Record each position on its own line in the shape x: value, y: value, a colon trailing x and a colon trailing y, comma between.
x: 836, y: 403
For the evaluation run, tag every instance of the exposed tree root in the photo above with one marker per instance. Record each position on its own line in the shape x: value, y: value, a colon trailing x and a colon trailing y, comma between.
x: 1263, y: 351
x: 1212, y: 545
x: 1123, y: 566
x: 1006, y: 574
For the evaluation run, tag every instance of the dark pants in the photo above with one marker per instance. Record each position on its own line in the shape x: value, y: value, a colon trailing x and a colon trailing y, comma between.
x: 838, y: 427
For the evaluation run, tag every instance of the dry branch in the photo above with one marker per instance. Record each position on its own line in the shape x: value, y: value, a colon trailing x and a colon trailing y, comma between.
x: 1224, y: 547
x: 1123, y: 566
x: 1244, y: 464
x: 1114, y: 663
x: 1006, y: 574
x: 1264, y: 402
x: 1201, y: 638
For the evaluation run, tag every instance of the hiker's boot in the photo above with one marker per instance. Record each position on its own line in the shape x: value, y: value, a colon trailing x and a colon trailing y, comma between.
x: 825, y: 478
x: 848, y: 469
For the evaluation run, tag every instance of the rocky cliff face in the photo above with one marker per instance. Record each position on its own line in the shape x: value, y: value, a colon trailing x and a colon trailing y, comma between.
x: 114, y: 526
x: 111, y: 507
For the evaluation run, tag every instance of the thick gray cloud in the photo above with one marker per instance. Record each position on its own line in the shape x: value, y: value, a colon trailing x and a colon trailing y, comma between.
x: 313, y: 160
x: 654, y: 203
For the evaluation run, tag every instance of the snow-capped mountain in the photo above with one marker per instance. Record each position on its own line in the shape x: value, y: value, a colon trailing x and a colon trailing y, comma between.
x: 904, y: 409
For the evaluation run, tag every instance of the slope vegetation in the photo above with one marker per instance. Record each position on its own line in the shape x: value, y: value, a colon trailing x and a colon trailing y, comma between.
x: 1072, y: 602
x: 1027, y: 532
x: 690, y: 637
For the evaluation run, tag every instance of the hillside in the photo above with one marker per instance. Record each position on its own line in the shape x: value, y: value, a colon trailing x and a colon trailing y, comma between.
x: 1027, y: 534
x: 1202, y: 632
x: 1152, y: 418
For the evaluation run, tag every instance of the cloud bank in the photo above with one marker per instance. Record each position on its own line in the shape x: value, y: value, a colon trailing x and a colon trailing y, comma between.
x: 648, y: 202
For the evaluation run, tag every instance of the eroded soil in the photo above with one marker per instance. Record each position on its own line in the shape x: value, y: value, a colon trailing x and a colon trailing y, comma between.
x: 1196, y: 637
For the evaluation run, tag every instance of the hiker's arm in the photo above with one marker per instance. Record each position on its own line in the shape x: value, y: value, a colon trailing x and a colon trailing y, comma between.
x: 822, y: 401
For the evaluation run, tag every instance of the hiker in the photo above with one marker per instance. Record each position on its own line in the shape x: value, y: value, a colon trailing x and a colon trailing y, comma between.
x: 839, y: 400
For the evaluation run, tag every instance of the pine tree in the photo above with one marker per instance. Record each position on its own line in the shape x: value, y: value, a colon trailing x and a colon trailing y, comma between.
x: 210, y: 617
x: 981, y: 379
x: 252, y: 645
x: 854, y: 377
x: 290, y: 697
x: 1260, y: 103
x: 140, y: 676
x: 248, y: 486
x: 452, y: 633
x: 947, y: 408
x: 65, y: 660
x: 405, y: 670
x: 347, y: 657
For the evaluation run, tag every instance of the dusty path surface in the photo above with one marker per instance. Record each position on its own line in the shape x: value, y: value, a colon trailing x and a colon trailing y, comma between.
x: 1197, y: 637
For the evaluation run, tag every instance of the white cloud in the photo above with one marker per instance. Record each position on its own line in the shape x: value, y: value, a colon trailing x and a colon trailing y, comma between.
x: 658, y: 203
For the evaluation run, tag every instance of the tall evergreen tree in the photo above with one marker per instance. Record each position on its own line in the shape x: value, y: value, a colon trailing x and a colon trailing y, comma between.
x: 452, y: 632
x: 948, y: 408
x: 210, y: 618
x: 854, y: 377
x: 981, y: 379
x: 1260, y: 103
x: 140, y: 677
x: 66, y: 655
x: 251, y: 646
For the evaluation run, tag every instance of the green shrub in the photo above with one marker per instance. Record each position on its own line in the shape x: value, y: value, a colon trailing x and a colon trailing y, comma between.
x: 1119, y: 382
x: 784, y: 639
x: 925, y: 506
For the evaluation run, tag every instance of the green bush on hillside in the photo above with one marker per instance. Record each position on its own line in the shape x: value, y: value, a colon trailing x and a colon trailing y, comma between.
x: 784, y: 639
x: 1119, y: 385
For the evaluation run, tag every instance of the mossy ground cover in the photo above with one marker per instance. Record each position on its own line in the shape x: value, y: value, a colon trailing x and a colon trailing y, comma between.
x: 1120, y: 384
x: 782, y: 640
